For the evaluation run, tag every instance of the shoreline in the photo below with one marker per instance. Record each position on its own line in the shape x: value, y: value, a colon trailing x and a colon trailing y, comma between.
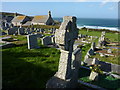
x: 99, y: 28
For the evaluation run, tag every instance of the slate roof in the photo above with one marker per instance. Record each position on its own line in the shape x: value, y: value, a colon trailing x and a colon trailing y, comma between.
x: 28, y: 23
x: 18, y: 19
x: 40, y: 19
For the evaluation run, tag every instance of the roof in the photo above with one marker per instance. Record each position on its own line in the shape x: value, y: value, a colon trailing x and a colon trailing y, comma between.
x: 28, y: 23
x: 40, y: 19
x: 18, y: 19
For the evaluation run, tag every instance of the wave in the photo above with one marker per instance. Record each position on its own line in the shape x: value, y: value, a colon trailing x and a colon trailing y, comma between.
x: 99, y: 27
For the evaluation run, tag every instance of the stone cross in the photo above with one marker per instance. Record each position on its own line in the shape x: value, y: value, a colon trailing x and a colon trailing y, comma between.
x: 67, y: 33
x: 67, y: 74
x: 64, y: 69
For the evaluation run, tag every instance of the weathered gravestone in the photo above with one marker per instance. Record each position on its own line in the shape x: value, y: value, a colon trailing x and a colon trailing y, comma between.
x: 12, y: 30
x: 94, y: 76
x: 76, y: 57
x: 53, y: 39
x: 95, y: 61
x: 66, y: 77
x: 21, y: 31
x: 101, y: 41
x: 28, y: 31
x: 109, y: 51
x: 93, y: 46
x: 32, y: 41
x: 67, y: 33
x: 46, y: 40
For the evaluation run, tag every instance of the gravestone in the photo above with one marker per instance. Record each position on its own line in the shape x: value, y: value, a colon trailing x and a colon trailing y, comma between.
x: 46, y: 40
x: 67, y: 33
x: 53, y: 39
x: 77, y: 56
x: 28, y: 31
x: 32, y: 41
x: 21, y: 31
x: 94, y: 76
x: 75, y: 46
x: 95, y: 61
x: 67, y: 74
x: 109, y: 51
x: 93, y: 46
x: 64, y: 70
x: 101, y: 41
x: 91, y: 37
x: 12, y: 30
x: 90, y: 52
x: 86, y: 57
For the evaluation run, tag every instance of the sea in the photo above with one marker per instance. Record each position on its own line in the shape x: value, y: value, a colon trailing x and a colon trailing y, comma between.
x: 96, y: 23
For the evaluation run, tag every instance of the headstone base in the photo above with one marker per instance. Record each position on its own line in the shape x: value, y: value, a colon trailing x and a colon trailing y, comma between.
x: 56, y: 82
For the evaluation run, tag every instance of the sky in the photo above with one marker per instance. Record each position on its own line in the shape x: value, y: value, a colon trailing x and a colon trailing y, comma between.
x: 81, y: 8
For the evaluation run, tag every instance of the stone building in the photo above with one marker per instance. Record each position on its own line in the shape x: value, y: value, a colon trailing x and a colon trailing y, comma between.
x: 43, y: 20
x: 20, y: 20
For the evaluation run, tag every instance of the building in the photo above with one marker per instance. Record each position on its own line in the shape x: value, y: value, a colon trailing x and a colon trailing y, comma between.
x: 43, y: 20
x: 20, y: 20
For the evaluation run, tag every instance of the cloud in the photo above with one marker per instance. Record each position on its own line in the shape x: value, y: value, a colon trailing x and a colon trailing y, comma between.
x: 106, y: 1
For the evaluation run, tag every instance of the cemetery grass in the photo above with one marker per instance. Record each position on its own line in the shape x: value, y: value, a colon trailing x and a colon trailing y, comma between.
x: 23, y: 68
x: 113, y: 37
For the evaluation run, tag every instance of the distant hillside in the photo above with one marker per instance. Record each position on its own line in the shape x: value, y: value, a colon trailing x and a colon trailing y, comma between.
x: 8, y: 14
x: 2, y: 14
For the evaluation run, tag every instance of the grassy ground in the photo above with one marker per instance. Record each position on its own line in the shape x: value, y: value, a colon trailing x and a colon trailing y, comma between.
x: 84, y: 50
x: 28, y: 68
x: 32, y: 68
x: 113, y: 37
x: 104, y: 81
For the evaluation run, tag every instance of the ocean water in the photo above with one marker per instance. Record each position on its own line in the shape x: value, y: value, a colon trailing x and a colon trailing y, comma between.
x: 94, y: 23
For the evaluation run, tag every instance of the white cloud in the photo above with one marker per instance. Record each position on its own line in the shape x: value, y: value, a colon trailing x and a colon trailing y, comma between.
x: 106, y: 1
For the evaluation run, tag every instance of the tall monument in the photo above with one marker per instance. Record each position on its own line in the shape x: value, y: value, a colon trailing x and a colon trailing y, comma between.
x: 67, y: 74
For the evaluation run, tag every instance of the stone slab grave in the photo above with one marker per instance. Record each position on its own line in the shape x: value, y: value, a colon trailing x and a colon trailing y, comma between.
x: 67, y: 74
x: 32, y: 41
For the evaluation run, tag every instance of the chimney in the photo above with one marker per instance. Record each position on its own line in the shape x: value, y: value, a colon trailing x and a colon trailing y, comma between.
x: 49, y: 13
x: 15, y: 14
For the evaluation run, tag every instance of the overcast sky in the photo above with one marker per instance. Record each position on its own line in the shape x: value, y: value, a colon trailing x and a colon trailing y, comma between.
x: 83, y: 9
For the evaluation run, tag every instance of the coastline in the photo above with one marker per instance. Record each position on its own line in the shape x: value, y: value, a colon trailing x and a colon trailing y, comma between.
x: 114, y: 29
x: 99, y: 27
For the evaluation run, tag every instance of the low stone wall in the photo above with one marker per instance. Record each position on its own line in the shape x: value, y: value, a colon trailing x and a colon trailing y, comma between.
x: 105, y: 66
